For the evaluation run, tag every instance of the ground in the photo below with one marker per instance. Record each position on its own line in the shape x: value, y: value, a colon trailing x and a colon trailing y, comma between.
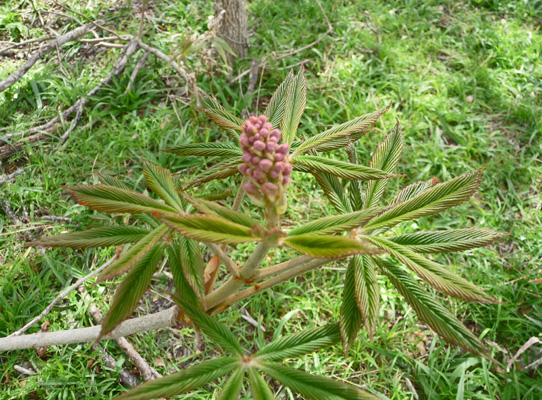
x: 464, y: 79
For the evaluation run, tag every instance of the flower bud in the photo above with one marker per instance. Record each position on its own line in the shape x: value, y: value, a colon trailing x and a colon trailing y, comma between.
x: 283, y: 148
x: 259, y: 145
x: 279, y: 156
x: 246, y: 158
x: 266, y: 165
x: 251, y: 188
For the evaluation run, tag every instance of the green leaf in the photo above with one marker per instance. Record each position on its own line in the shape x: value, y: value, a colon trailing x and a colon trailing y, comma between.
x: 135, y: 253
x: 328, y: 246
x: 336, y: 223
x: 111, y: 199
x: 356, y: 192
x: 411, y: 191
x: 212, y: 208
x: 207, y: 228
x: 192, y: 265
x: 221, y: 170
x: 160, y: 181
x: 435, y: 275
x: 294, y: 105
x: 184, y: 290
x: 131, y: 289
x: 184, y: 381
x: 334, y: 191
x: 335, y: 134
x: 233, y: 386
x: 220, y: 116
x: 214, y: 149
x: 429, y: 202
x: 259, y: 388
x: 301, y: 343
x: 385, y: 157
x: 313, y: 387
x: 275, y: 108
x: 430, y: 310
x: 220, y: 335
x: 113, y: 181
x: 366, y: 291
x: 447, y: 241
x: 97, y: 237
x: 349, y: 317
x: 216, y: 195
x: 340, y: 168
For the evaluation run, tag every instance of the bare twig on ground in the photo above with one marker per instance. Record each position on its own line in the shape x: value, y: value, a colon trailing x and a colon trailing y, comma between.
x: 146, y: 370
x: 7, y: 178
x: 138, y: 66
x: 167, y: 59
x: 62, y: 295
x: 24, y: 43
x: 531, y: 342
x: 23, y: 370
x: 126, y: 377
x: 54, y: 218
x: 74, y: 123
x: 162, y: 319
x: 43, y: 131
x: 9, y: 212
x: 59, y: 41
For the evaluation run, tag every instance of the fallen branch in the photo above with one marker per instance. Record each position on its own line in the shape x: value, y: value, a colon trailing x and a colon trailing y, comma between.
x: 146, y: 323
x: 24, y: 43
x: 146, y: 370
x: 138, y: 66
x: 59, y: 41
x: 61, y: 296
x: 11, y: 176
x: 44, y: 130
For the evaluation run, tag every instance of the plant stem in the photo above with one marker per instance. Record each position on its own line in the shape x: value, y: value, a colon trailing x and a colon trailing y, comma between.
x: 284, y: 266
x: 234, y: 298
x: 231, y: 266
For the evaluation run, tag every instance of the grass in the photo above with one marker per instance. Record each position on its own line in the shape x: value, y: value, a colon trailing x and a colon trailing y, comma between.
x: 464, y: 78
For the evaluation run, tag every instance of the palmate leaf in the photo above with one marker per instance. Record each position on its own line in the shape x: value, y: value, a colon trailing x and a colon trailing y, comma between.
x: 111, y: 199
x: 208, y: 228
x: 435, y: 275
x: 366, y: 291
x: 184, y: 381
x: 447, y: 241
x: 334, y: 191
x: 220, y: 335
x: 184, y: 290
x: 294, y: 105
x: 135, y: 253
x: 221, y: 170
x: 350, y: 318
x: 213, y: 208
x: 213, y: 149
x: 336, y: 223
x: 97, y: 237
x: 275, y: 109
x: 131, y: 289
x: 385, y: 157
x: 328, y: 246
x: 192, y: 265
x: 430, y: 310
x: 313, y: 387
x: 220, y: 116
x: 259, y: 388
x: 160, y: 181
x: 233, y: 386
x: 340, y: 169
x: 335, y: 134
x: 301, y: 343
x: 429, y: 202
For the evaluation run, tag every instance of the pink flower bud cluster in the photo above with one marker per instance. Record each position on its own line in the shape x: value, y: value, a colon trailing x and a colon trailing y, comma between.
x: 265, y: 161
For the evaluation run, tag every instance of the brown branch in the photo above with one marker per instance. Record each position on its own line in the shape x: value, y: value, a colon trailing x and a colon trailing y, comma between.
x: 24, y: 43
x: 141, y: 364
x: 7, y: 178
x: 63, y: 294
x: 59, y: 41
x: 162, y: 319
x: 138, y: 66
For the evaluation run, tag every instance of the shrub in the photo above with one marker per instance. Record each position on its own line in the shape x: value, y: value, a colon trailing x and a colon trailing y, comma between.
x: 175, y: 224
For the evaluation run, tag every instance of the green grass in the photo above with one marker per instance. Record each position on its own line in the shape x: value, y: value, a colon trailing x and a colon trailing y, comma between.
x: 464, y: 79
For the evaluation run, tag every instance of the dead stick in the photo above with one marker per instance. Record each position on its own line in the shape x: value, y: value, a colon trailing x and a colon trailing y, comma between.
x: 146, y: 323
x: 61, y: 296
x: 59, y: 41
x: 138, y: 66
x: 9, y: 177
x: 141, y: 364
